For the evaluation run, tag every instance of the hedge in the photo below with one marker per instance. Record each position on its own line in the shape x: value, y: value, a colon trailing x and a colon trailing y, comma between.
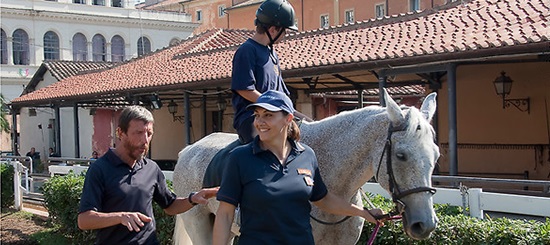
x: 62, y: 194
x: 6, y: 174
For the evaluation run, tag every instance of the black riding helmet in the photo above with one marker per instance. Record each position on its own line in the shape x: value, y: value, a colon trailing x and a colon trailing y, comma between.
x: 277, y: 13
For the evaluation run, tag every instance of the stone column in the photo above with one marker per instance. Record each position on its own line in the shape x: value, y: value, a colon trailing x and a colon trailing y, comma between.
x: 10, y: 50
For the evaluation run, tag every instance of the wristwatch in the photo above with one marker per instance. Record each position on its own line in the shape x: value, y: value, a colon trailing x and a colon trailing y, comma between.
x: 190, y: 200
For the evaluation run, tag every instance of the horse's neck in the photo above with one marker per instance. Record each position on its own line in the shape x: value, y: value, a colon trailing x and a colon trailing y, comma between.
x: 347, y: 146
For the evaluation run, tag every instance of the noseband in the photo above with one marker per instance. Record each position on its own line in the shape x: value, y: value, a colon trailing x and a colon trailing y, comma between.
x: 396, y: 193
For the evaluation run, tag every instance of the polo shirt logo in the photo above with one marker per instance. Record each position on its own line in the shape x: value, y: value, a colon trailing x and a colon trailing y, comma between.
x: 304, y: 171
x: 308, y: 180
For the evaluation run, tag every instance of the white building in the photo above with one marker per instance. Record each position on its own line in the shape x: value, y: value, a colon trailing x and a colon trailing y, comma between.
x: 33, y: 31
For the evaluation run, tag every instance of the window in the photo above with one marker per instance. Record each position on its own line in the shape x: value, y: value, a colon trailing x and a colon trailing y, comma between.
x: 174, y: 41
x: 117, y: 49
x: 116, y: 3
x: 349, y: 16
x: 324, y: 21
x: 80, y: 47
x: 51, y: 46
x: 4, y: 47
x: 380, y: 10
x: 79, y: 1
x: 98, y: 2
x: 20, y: 47
x: 414, y: 5
x: 221, y: 10
x: 144, y: 46
x: 199, y: 15
x: 98, y: 48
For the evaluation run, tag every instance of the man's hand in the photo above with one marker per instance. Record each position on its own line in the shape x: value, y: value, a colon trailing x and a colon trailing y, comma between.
x: 133, y: 220
x: 203, y: 195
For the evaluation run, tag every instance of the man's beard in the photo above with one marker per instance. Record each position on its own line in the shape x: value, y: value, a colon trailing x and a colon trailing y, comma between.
x: 132, y: 151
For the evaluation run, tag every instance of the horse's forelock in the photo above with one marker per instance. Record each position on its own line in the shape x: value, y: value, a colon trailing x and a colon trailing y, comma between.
x: 418, y: 126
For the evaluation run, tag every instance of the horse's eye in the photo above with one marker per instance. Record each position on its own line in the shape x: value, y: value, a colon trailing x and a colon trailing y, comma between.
x: 401, y: 156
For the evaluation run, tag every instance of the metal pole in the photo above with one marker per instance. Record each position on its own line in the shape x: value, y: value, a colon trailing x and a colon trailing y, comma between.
x: 57, y: 131
x: 360, y: 98
x: 187, y: 117
x: 451, y: 90
x: 76, y: 132
x: 382, y: 82
x: 204, y: 131
x: 14, y: 136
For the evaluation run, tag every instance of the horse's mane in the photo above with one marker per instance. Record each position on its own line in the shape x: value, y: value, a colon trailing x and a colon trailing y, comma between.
x: 418, y: 126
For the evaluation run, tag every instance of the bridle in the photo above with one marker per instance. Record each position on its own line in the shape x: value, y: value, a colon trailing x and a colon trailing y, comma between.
x: 396, y: 193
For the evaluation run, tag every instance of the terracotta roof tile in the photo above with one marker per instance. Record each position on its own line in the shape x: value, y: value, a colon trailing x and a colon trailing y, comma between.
x: 440, y: 33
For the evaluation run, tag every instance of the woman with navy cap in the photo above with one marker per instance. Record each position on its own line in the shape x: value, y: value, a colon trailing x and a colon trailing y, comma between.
x: 273, y: 179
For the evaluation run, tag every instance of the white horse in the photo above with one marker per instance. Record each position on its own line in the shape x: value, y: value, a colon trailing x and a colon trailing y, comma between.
x: 351, y: 148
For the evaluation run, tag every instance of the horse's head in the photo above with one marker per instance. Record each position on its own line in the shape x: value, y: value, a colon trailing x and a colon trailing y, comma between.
x: 405, y: 169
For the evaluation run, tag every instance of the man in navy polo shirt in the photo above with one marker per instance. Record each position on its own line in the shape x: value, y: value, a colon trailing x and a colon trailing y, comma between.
x: 121, y: 185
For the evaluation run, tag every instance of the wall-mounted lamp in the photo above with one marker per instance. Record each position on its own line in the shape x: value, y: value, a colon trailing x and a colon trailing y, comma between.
x: 173, y: 109
x: 503, y: 86
x: 221, y: 103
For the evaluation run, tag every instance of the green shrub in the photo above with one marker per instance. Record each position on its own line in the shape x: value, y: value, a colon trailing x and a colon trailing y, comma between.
x: 455, y: 228
x: 165, y: 222
x: 62, y: 196
x: 6, y: 173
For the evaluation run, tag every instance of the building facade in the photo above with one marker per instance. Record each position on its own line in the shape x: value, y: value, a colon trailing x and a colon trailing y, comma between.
x: 33, y: 31
x: 310, y: 14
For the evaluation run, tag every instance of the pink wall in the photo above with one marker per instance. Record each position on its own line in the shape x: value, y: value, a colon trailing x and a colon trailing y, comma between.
x: 104, y: 124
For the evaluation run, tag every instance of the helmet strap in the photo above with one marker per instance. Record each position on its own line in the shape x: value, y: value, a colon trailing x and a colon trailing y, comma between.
x: 272, y: 40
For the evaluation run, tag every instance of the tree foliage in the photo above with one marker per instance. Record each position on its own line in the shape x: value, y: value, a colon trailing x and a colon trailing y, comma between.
x: 4, y: 124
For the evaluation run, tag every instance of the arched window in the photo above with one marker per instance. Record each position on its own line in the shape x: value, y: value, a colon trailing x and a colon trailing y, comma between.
x: 4, y: 47
x: 98, y: 48
x: 20, y: 47
x: 144, y: 46
x: 80, y: 47
x: 174, y: 41
x: 117, y: 49
x: 51, y: 46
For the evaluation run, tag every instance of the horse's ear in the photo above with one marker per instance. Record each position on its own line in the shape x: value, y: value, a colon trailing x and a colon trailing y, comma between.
x: 428, y: 106
x: 394, y: 111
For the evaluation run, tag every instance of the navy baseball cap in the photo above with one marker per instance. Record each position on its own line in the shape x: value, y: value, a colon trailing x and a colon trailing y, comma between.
x: 273, y: 100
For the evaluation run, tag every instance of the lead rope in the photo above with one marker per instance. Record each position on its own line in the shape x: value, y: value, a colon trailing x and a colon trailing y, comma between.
x: 389, y: 216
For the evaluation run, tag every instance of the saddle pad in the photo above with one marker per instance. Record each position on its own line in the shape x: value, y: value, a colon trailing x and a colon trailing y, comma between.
x: 214, y: 171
